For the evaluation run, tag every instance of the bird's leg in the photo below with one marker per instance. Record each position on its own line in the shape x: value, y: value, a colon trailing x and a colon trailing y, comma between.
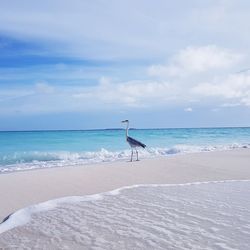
x: 137, y: 155
x: 132, y: 152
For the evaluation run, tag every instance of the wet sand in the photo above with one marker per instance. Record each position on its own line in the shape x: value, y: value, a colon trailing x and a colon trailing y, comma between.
x: 21, y: 189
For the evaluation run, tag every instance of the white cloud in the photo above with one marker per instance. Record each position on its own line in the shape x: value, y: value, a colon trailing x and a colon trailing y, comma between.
x: 215, y: 88
x: 127, y: 29
x: 212, y: 64
x: 193, y: 60
x: 136, y: 34
x: 188, y: 109
x: 233, y: 90
x: 233, y: 87
x: 136, y: 93
x: 106, y: 95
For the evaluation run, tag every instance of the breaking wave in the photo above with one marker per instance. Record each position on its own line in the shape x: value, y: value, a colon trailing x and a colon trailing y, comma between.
x: 39, y: 159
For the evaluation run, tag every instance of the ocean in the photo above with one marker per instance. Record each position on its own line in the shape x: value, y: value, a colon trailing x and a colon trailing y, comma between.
x: 43, y: 149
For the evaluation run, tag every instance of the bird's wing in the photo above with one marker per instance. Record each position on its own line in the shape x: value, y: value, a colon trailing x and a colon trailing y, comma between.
x: 135, y: 142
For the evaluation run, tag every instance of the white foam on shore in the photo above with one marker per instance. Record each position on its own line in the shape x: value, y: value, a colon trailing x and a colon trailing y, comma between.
x: 200, y: 215
x: 35, y: 160
x: 23, y: 216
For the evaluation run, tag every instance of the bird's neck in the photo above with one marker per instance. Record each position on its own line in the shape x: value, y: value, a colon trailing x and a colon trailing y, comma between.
x: 127, y: 130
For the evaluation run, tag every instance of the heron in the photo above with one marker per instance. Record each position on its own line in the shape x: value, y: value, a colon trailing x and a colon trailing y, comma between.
x: 134, y: 144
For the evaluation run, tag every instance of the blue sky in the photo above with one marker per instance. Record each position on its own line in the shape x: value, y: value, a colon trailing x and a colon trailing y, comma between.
x: 89, y: 64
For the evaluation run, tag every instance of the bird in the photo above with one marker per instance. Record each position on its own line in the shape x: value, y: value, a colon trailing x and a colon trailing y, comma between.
x: 134, y: 144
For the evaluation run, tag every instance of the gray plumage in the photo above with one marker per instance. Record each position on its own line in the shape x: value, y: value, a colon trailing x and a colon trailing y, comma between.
x: 134, y: 144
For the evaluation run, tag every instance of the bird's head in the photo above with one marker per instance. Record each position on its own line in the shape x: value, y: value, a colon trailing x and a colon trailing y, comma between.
x: 125, y: 121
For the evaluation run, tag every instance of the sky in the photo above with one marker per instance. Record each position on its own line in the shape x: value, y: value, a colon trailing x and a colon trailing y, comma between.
x: 90, y: 64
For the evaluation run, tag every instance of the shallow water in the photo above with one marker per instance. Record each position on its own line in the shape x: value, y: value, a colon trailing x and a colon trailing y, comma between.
x: 42, y: 149
x: 213, y: 215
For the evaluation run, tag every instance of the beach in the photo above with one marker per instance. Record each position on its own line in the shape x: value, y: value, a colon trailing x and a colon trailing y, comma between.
x: 23, y: 189
x: 20, y: 189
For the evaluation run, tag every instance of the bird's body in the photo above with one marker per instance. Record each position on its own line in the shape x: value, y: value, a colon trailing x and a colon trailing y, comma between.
x: 134, y: 144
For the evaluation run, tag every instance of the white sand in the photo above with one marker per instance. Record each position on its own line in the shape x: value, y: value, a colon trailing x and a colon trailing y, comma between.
x: 201, y: 215
x: 21, y: 189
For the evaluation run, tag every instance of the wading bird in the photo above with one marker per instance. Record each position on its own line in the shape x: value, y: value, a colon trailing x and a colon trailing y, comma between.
x: 132, y: 142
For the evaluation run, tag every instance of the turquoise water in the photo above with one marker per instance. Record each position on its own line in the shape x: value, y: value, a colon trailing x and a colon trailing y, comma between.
x: 38, y: 149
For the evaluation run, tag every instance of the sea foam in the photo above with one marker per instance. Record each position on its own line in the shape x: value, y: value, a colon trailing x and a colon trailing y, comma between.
x: 39, y: 159
x: 208, y: 215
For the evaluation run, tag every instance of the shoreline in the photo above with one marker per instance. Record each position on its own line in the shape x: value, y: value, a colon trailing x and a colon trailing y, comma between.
x: 119, y: 160
x: 23, y: 188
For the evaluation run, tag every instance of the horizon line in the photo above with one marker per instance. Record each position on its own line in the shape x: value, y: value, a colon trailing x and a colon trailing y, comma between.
x: 100, y: 129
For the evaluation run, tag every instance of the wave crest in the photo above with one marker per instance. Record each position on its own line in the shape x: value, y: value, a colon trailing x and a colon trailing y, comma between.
x: 38, y: 159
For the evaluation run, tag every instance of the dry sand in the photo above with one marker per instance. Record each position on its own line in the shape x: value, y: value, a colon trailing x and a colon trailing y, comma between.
x: 21, y: 189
